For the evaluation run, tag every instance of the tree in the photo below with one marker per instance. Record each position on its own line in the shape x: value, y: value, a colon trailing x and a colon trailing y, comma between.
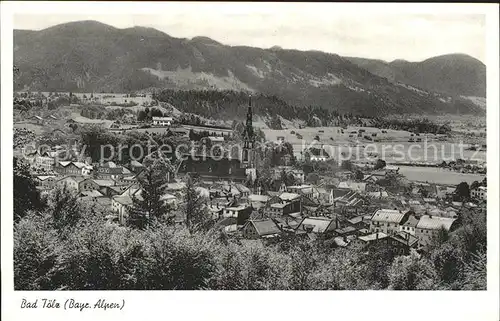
x: 26, y: 196
x: 64, y: 208
x: 474, y: 185
x: 36, y: 251
x: 359, y: 175
x: 149, y: 206
x: 462, y: 192
x: 380, y: 164
x: 313, y: 178
x: 141, y: 115
x: 412, y: 272
x: 347, y: 165
x: 194, y: 210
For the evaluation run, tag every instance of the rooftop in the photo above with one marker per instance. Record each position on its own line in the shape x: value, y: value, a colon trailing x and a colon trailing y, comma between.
x: 435, y: 222
x: 265, y: 227
x: 372, y: 237
x: 319, y: 224
x: 390, y: 216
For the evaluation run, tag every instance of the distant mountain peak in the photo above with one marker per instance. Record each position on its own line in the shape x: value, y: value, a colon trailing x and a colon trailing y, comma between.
x: 206, y: 40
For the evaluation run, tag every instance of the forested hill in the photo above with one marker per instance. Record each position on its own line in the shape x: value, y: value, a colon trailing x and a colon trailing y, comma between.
x: 88, y: 56
x: 229, y: 104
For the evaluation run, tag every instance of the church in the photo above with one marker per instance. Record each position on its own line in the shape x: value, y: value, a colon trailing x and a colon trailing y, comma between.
x: 226, y: 168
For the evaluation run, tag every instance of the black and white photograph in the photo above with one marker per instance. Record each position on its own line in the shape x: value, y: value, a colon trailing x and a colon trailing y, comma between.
x: 264, y: 147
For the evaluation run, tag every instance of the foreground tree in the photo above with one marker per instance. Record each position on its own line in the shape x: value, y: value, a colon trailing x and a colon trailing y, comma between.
x: 26, y: 196
x: 148, y: 204
x: 194, y: 209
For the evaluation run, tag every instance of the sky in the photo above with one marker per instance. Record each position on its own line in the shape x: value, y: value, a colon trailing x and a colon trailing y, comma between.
x: 412, y: 37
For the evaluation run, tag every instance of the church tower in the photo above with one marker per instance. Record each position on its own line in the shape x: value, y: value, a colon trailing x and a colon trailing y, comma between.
x: 248, y: 138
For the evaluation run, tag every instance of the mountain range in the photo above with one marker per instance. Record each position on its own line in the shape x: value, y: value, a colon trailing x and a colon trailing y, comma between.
x: 89, y: 56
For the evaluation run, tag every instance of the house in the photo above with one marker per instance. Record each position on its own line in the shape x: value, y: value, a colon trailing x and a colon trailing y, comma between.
x: 258, y: 201
x: 351, y: 203
x: 72, y: 168
x: 353, y: 186
x: 479, y: 193
x: 298, y: 174
x: 88, y: 185
x: 306, y: 190
x: 44, y: 160
x: 45, y: 182
x: 428, y: 227
x: 360, y: 222
x: 346, y: 231
x: 318, y: 154
x: 265, y: 228
x: 136, y: 167
x: 410, y: 225
x: 111, y: 171
x: 162, y: 121
x: 373, y: 238
x: 241, y: 212
x: 90, y: 194
x: 318, y: 225
x: 388, y: 221
x: 121, y: 205
x: 70, y: 182
x: 402, y: 242
x: 284, y: 203
x: 391, y: 169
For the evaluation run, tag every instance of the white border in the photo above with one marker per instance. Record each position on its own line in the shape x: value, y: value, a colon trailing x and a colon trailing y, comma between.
x: 250, y: 305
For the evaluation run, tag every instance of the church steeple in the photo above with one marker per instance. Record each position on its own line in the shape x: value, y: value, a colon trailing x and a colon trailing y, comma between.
x: 248, y: 136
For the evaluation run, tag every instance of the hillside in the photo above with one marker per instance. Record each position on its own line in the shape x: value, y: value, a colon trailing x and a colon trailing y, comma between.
x: 90, y: 56
x: 455, y: 74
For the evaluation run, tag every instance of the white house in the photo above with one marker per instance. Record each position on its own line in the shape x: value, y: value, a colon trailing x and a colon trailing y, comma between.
x: 162, y: 121
x: 479, y: 193
x: 428, y: 227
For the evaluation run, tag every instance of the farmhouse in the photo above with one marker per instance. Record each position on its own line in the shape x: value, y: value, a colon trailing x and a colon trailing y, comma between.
x: 162, y: 121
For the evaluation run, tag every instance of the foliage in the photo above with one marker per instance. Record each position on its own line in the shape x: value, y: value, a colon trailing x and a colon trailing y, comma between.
x: 412, y: 272
x: 149, y: 205
x: 26, y: 196
x: 194, y: 209
x: 379, y: 164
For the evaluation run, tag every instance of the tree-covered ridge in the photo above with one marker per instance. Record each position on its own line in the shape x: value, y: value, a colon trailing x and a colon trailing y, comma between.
x: 87, y: 56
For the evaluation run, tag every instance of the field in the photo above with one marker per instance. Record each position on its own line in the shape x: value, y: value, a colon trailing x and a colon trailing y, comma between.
x: 437, y: 175
x: 393, y: 146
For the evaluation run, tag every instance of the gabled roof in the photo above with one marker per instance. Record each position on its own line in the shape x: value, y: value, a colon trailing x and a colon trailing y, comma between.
x: 288, y: 196
x: 435, y: 222
x: 319, y: 224
x: 91, y: 194
x: 42, y: 178
x: 104, y: 182
x: 123, y: 199
x: 77, y: 179
x: 265, y: 227
x: 372, y: 237
x: 405, y: 238
x: 258, y: 198
x: 411, y: 222
x: 389, y: 216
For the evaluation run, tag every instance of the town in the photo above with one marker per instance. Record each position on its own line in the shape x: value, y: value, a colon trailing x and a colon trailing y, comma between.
x: 265, y: 192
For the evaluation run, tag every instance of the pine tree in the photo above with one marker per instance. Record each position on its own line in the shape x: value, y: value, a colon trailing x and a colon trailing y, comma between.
x: 148, y: 205
x: 195, y: 211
